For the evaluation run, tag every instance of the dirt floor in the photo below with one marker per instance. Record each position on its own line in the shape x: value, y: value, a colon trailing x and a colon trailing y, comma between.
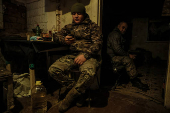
x: 124, y: 99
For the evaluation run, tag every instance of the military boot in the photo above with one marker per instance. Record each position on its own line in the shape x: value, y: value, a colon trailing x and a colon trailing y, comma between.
x: 67, y: 101
x: 81, y: 100
x: 136, y: 82
x: 65, y: 90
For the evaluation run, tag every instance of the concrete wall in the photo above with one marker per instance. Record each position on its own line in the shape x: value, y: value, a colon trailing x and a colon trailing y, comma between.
x: 42, y: 12
x: 139, y: 39
x: 50, y: 10
x: 14, y: 18
x: 36, y: 15
x: 1, y: 15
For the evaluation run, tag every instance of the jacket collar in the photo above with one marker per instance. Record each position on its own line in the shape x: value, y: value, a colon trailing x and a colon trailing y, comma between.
x: 116, y: 29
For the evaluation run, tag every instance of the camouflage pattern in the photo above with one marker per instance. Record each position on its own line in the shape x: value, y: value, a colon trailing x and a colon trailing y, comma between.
x: 116, y: 51
x: 87, y: 34
x: 89, y: 43
x: 58, y: 70
x: 116, y: 44
x: 127, y: 62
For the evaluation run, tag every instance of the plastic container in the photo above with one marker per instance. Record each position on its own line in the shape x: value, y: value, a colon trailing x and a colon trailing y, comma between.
x: 38, y: 98
x: 37, y: 30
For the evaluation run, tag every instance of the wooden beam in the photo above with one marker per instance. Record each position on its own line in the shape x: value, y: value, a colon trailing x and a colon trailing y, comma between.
x: 32, y: 78
x: 167, y: 87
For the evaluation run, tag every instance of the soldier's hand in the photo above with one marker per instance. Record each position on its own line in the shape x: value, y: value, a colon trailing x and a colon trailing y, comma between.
x: 69, y: 39
x: 80, y: 59
x: 132, y: 56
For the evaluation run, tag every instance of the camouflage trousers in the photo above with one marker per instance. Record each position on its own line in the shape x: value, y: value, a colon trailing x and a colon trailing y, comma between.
x: 128, y: 63
x: 58, y: 70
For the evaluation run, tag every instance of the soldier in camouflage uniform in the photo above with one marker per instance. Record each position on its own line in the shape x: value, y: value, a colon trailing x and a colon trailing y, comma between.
x: 119, y: 56
x: 85, y: 40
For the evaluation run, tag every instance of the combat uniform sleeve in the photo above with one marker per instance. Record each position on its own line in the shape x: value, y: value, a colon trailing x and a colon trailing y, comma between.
x: 96, y: 38
x: 60, y: 35
x: 115, y: 43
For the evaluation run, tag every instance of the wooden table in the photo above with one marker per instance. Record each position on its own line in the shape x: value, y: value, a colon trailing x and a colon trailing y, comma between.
x: 17, y: 48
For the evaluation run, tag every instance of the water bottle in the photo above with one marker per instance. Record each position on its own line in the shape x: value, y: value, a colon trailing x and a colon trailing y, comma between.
x: 37, y: 30
x: 38, y: 98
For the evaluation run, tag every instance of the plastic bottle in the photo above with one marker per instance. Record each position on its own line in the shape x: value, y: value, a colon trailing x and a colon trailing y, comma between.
x: 37, y: 30
x: 38, y: 98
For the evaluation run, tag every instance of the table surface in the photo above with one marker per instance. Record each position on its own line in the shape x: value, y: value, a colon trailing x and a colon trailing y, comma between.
x: 20, y: 47
x: 37, y: 45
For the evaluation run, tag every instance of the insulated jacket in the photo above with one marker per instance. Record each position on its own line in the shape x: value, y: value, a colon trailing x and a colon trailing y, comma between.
x: 87, y: 34
x: 116, y: 44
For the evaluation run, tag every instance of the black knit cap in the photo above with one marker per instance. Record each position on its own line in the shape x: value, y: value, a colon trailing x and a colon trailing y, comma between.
x: 78, y: 7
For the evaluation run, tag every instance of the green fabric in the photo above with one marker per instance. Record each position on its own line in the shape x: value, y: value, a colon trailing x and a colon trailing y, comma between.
x: 78, y: 7
x: 31, y: 66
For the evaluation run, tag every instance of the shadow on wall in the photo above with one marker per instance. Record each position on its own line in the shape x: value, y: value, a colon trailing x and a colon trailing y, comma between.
x: 65, y: 5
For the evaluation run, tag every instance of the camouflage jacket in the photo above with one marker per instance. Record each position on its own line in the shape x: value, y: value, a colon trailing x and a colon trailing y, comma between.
x: 87, y: 34
x: 116, y: 44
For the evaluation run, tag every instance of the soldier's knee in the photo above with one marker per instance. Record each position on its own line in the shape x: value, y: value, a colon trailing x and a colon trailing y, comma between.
x: 90, y: 71
x: 53, y: 70
x: 50, y: 70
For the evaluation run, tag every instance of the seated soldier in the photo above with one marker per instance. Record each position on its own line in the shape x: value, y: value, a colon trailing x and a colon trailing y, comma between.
x: 85, y: 40
x: 119, y: 56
